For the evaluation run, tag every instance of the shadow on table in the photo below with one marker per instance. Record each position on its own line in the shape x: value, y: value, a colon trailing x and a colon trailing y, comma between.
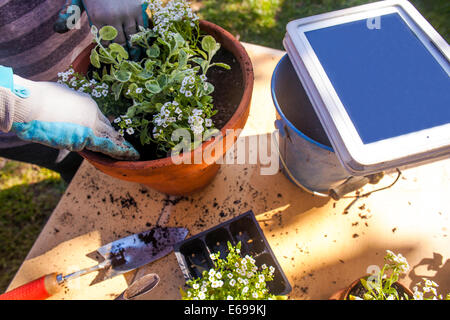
x: 244, y: 184
x: 321, y: 282
x: 434, y: 264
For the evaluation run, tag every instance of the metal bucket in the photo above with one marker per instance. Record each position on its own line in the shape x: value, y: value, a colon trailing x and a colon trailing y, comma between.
x: 306, y: 155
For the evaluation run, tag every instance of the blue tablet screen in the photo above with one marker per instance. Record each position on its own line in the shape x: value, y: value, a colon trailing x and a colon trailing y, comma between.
x: 387, y: 80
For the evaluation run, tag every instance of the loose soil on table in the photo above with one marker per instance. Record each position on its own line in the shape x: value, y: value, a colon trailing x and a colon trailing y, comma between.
x: 228, y: 92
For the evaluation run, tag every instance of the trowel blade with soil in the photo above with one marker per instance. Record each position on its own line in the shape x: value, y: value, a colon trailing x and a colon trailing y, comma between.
x: 134, y: 251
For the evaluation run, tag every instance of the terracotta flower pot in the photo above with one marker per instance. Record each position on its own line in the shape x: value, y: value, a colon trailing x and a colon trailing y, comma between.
x: 162, y: 174
x: 343, y: 294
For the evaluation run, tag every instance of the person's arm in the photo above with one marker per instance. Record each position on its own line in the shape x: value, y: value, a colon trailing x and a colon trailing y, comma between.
x: 11, y: 107
x: 54, y: 115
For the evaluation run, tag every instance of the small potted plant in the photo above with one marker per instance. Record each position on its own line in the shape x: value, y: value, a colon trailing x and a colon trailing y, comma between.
x: 385, y: 284
x: 232, y: 278
x: 192, y: 76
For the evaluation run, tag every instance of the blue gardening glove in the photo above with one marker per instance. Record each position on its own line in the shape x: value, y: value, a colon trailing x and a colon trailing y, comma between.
x: 125, y: 15
x: 56, y: 116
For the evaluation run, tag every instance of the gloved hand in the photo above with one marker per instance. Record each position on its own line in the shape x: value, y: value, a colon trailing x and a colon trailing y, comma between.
x: 124, y: 15
x: 62, y: 118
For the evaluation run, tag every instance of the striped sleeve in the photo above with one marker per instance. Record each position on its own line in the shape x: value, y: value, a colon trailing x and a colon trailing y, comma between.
x: 28, y: 43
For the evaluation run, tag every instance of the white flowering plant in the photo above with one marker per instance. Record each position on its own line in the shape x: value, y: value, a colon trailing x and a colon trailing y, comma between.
x: 167, y: 89
x: 232, y: 278
x: 381, y: 286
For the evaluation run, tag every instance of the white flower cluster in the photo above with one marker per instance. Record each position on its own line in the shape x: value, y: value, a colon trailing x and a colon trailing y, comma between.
x: 197, y: 122
x: 137, y: 91
x: 174, y: 11
x: 398, y: 260
x: 64, y: 76
x: 188, y: 85
x: 125, y: 124
x: 201, y: 295
x: 99, y: 91
x: 215, y: 279
x: 170, y: 113
x: 429, y: 287
x: 242, y: 268
x: 239, y: 278
x: 91, y: 87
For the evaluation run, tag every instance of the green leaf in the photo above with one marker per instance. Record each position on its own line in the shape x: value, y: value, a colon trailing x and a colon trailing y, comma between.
x: 123, y: 75
x: 222, y: 65
x: 153, y: 86
x: 206, y: 99
x: 368, y: 296
x: 191, y: 51
x: 149, y: 65
x: 94, y: 30
x: 145, y: 75
x: 364, y: 283
x: 131, y: 66
x: 96, y: 76
x: 117, y: 89
x: 106, y: 60
x: 161, y: 41
x: 182, y: 59
x: 147, y: 106
x: 209, y: 89
x: 153, y: 51
x: 117, y: 48
x: 144, y: 138
x: 108, y: 78
x: 198, y: 60
x: 103, y: 55
x: 132, y: 87
x: 131, y: 112
x: 208, y: 43
x: 108, y: 33
x: 162, y: 80
x: 177, y: 76
x: 95, y: 59
x: 179, y: 40
x: 204, y: 55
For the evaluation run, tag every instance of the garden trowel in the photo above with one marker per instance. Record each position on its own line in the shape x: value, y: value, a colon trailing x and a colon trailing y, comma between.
x: 120, y: 256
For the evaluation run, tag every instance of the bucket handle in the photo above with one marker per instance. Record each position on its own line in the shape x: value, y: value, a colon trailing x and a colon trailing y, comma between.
x: 282, y: 129
x: 274, y: 139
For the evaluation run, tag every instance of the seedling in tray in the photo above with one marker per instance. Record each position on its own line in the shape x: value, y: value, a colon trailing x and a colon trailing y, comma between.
x: 212, y: 249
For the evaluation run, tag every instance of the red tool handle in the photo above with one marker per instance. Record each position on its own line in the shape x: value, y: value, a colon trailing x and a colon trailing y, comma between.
x: 39, y: 289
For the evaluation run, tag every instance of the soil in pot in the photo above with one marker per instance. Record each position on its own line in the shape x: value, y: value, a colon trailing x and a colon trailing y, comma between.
x: 359, y: 290
x: 229, y: 89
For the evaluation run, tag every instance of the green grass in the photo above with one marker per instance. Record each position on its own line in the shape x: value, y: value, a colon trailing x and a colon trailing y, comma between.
x: 264, y: 22
x: 28, y: 194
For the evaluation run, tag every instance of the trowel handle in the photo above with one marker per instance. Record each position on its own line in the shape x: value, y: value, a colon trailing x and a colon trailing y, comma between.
x: 39, y: 289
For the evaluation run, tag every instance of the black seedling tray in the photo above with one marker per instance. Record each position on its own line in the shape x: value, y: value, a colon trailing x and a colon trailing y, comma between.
x: 193, y: 254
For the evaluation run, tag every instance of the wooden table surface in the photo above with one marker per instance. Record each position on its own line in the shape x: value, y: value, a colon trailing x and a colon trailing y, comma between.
x: 320, y: 246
